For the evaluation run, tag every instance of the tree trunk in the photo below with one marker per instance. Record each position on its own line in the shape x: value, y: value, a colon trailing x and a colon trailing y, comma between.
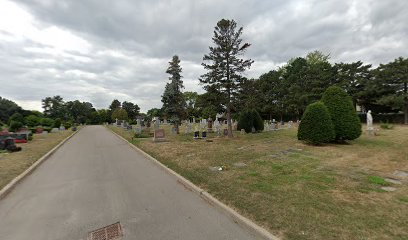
x: 176, y: 125
x: 230, y: 135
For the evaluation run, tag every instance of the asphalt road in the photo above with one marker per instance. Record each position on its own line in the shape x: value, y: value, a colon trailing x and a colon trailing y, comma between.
x: 95, y: 179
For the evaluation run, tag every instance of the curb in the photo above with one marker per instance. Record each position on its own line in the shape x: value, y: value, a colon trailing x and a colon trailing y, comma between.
x: 242, y: 221
x: 11, y: 185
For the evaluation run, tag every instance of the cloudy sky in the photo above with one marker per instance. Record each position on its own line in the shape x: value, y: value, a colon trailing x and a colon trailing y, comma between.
x: 98, y: 50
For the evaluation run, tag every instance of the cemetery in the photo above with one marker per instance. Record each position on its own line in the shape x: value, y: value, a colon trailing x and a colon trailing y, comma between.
x: 311, y: 149
x: 277, y: 180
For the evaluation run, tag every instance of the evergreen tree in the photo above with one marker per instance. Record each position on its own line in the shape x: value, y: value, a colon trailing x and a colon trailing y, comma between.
x: 393, y: 79
x: 225, y: 67
x: 172, y: 98
x: 347, y: 125
x: 316, y: 126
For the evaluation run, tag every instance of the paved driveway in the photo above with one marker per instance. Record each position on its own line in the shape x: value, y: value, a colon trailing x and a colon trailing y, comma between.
x: 96, y: 179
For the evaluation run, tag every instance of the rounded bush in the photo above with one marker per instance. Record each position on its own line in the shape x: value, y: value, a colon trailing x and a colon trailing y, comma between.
x: 258, y: 123
x: 347, y: 125
x: 57, y: 123
x: 67, y: 125
x: 245, y: 121
x: 47, y: 122
x: 316, y: 126
x: 15, y: 125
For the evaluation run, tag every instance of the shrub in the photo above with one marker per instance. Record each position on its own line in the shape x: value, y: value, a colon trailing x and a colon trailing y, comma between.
x: 346, y: 123
x: 67, y: 125
x: 47, y: 122
x: 32, y: 120
x: 15, y: 125
x: 245, y: 121
x: 57, y: 123
x: 249, y: 119
x: 257, y: 121
x: 316, y: 126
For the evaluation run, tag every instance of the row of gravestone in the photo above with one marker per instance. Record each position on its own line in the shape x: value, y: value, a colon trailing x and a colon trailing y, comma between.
x: 273, y: 125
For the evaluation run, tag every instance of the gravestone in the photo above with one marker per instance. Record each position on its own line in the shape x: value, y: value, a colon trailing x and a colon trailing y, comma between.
x: 225, y: 132
x: 196, y: 134
x: 210, y: 123
x: 54, y: 130
x: 243, y: 131
x: 44, y: 132
x: 204, y: 134
x: 290, y: 123
x: 234, y: 126
x: 138, y: 130
x: 173, y: 130
x: 159, y: 135
x: 156, y: 123
x: 62, y: 128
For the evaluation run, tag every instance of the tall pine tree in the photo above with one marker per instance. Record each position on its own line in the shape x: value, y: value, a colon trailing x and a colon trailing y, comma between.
x: 226, y: 66
x: 173, y: 100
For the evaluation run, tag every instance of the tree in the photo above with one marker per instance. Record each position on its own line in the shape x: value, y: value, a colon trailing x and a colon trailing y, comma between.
x: 316, y: 126
x: 7, y: 108
x: 393, y: 79
x: 132, y: 109
x: 80, y: 112
x: 245, y: 121
x: 226, y: 66
x: 32, y: 120
x: 15, y: 125
x: 249, y: 119
x: 17, y: 117
x: 47, y: 122
x: 353, y: 78
x: 273, y: 93
x: 57, y: 123
x: 154, y: 112
x: 210, y: 103
x: 172, y: 98
x: 190, y: 99
x: 54, y: 107
x: 347, y: 125
x: 120, y: 114
x: 114, y: 105
x: 104, y: 115
x: 248, y: 95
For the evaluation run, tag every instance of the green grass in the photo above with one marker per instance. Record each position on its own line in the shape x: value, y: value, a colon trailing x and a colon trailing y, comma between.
x: 377, y: 180
x: 299, y: 191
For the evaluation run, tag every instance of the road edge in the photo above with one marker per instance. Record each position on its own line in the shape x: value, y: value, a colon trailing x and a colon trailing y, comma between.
x: 13, y: 183
x: 236, y: 217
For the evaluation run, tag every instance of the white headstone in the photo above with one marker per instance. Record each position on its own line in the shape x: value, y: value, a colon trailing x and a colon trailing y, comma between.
x: 370, y: 127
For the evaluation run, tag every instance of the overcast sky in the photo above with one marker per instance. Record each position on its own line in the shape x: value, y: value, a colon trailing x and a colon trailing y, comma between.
x: 98, y: 50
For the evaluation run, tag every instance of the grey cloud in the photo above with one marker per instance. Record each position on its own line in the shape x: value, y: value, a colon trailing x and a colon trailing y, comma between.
x: 145, y: 34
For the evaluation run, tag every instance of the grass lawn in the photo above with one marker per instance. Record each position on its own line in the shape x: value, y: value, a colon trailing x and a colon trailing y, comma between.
x: 295, y: 190
x: 13, y: 164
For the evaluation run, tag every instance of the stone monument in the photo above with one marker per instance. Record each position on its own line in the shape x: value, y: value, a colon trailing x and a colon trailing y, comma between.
x: 370, y: 127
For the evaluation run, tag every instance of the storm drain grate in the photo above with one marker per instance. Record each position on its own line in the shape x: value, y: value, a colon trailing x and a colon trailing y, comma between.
x: 111, y: 232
